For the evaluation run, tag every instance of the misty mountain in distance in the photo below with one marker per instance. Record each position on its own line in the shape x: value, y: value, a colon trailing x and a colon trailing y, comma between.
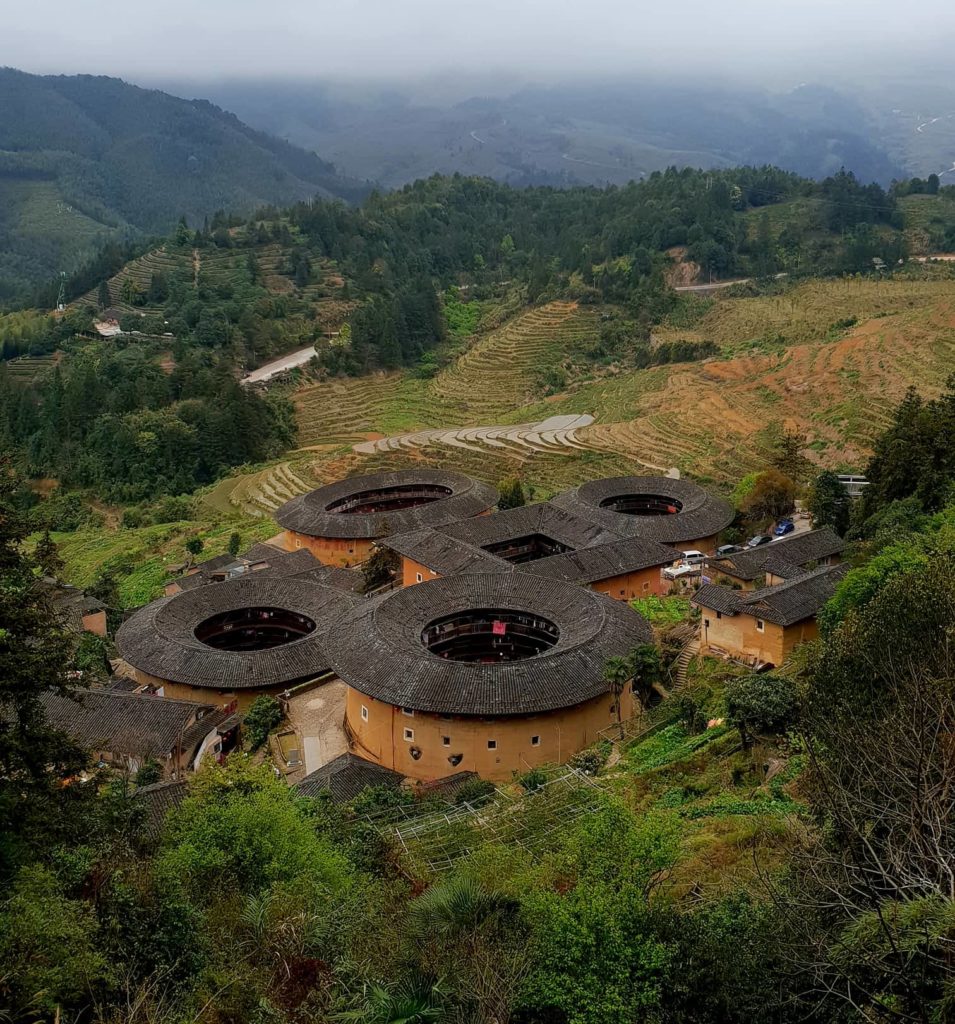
x: 578, y: 132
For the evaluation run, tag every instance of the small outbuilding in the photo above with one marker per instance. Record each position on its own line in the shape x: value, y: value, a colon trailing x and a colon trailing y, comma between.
x: 761, y: 627
x: 345, y: 777
x: 270, y: 562
x: 779, y: 561
x: 125, y: 730
x: 74, y: 609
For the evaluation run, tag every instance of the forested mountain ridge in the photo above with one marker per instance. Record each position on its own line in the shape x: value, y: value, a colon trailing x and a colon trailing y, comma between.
x: 87, y: 159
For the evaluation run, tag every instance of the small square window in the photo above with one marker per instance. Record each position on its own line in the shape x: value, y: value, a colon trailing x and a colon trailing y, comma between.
x: 622, y: 591
x: 409, y: 735
x: 446, y: 741
x: 408, y: 711
x: 535, y: 741
x: 492, y: 744
x: 298, y: 543
x: 706, y: 623
x: 760, y: 625
x: 719, y: 615
x: 431, y: 572
x: 364, y: 713
x: 646, y: 586
x: 418, y: 577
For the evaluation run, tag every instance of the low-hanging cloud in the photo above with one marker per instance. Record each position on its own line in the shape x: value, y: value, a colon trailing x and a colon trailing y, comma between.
x: 368, y: 39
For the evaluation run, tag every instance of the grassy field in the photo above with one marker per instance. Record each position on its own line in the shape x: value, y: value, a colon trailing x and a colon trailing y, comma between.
x: 141, y: 557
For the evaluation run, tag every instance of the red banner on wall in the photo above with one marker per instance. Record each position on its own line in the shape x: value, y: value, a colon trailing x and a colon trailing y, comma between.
x: 499, y: 628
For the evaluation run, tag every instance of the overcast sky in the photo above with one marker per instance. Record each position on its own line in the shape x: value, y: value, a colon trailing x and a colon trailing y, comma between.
x: 198, y: 39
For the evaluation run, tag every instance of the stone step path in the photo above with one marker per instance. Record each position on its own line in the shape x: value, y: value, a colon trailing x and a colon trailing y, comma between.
x: 689, y: 652
x: 556, y: 434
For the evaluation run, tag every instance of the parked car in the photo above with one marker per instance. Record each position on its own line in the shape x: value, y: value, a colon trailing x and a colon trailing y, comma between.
x: 728, y: 549
x: 759, y: 540
x: 691, y: 564
x: 682, y: 571
x: 783, y: 527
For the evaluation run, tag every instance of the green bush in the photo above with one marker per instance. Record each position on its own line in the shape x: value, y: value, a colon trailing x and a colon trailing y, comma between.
x: 760, y: 703
x: 532, y: 780
x: 591, y: 760
x: 263, y: 716
x: 474, y: 791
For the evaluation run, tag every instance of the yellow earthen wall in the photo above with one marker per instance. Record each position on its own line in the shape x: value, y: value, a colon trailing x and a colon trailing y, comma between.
x: 204, y: 694
x: 737, y: 635
x: 329, y: 550
x: 95, y: 622
x: 632, y: 584
x: 381, y: 737
x: 411, y: 570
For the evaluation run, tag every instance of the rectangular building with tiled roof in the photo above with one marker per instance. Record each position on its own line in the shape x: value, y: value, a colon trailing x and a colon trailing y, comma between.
x: 127, y: 729
x: 761, y: 627
x: 542, y: 540
x: 781, y: 560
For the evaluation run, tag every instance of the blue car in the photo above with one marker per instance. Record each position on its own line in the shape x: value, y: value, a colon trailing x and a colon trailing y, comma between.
x: 783, y: 527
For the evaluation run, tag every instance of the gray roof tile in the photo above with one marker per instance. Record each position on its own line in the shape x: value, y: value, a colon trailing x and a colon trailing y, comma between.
x: 700, y: 514
x: 797, y: 551
x: 160, y: 638
x: 347, y: 776
x: 128, y: 723
x: 784, y: 603
x: 377, y: 648
x: 309, y: 513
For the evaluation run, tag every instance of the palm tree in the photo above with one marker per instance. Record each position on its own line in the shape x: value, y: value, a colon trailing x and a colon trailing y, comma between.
x: 617, y: 673
x: 645, y: 670
x: 472, y: 935
x: 456, y: 907
x: 411, y: 1002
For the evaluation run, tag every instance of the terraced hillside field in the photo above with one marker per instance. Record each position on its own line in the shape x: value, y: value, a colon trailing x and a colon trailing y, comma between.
x: 828, y: 358
x: 217, y: 266
x: 836, y: 384
x: 498, y: 374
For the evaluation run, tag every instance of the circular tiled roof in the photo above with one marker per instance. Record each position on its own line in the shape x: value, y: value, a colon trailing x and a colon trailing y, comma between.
x: 699, y: 514
x: 160, y: 639
x: 317, y: 513
x: 378, y: 649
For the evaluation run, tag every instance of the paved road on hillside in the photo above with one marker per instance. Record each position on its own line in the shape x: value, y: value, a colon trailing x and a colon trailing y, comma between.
x: 280, y: 365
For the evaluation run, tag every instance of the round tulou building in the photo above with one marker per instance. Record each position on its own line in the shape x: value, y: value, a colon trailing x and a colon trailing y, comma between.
x: 651, y: 508
x: 340, y: 523
x: 491, y: 673
x: 233, y: 640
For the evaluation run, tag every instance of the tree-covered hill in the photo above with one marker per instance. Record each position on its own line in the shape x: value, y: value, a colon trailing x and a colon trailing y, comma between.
x: 419, y: 281
x: 87, y: 159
